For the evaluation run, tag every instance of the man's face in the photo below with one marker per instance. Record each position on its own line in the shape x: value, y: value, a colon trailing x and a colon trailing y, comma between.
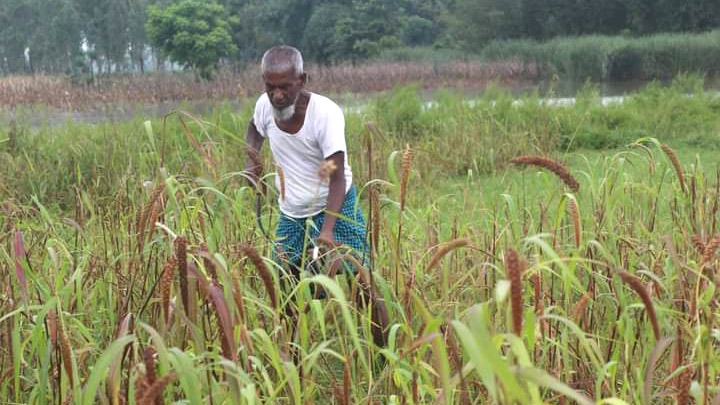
x: 283, y: 88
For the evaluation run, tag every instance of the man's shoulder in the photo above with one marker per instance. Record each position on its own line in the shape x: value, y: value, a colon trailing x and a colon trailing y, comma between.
x: 325, y: 105
x: 262, y: 100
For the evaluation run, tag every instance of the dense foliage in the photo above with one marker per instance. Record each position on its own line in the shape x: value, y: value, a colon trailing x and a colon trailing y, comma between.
x: 76, y: 36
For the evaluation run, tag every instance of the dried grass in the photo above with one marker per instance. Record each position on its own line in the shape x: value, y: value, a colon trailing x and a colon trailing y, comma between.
x: 160, y: 88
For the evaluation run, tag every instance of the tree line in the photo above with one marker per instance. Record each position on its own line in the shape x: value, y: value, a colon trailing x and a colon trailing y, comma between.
x: 102, y: 36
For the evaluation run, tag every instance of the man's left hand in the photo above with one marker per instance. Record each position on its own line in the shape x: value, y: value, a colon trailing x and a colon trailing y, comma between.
x: 327, y: 240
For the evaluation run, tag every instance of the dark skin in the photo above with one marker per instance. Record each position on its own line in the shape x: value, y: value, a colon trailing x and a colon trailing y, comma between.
x: 283, y: 89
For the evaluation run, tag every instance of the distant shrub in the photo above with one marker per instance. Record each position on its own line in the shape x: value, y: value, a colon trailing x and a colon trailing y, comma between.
x: 660, y: 56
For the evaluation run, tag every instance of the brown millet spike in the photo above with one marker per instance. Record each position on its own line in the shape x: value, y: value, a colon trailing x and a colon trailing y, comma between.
x: 140, y: 387
x: 676, y: 164
x: 181, y: 254
x: 336, y: 390
x: 153, y: 393
x: 406, y: 163
x: 698, y: 243
x: 580, y: 309
x: 149, y: 360
x: 208, y: 263
x: 575, y: 215
x: 551, y: 165
x: 710, y: 249
x: 684, y: 382
x: 52, y: 322
x: 216, y: 296
x: 677, y: 357
x: 515, y: 267
x: 147, y: 211
x: 155, y: 215
x: 66, y: 351
x: 537, y: 286
x: 238, y: 297
x: 347, y: 382
x: 166, y: 285
x: 639, y: 288
x: 441, y: 252
x: 265, y: 274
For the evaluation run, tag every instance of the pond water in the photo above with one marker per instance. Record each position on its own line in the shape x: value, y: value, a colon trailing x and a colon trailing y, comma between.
x: 562, y: 92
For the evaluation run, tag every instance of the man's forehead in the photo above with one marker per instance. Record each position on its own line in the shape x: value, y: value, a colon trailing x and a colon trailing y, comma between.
x: 280, y: 75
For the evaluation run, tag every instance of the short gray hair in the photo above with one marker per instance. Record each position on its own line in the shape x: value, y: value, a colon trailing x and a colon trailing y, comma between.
x: 281, y: 58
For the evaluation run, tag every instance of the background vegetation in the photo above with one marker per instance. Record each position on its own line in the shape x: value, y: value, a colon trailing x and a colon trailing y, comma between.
x: 82, y: 36
x: 661, y: 56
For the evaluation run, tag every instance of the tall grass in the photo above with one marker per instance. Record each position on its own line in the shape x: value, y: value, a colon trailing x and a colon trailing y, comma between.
x: 596, y: 57
x: 485, y: 314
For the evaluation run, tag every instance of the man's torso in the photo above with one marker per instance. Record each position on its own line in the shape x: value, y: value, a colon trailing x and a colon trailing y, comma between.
x: 300, y: 155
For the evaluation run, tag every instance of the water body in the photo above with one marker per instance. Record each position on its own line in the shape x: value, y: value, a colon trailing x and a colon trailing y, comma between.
x: 559, y: 93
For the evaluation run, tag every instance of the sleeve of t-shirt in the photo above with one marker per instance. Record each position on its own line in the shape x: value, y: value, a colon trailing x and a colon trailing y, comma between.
x: 259, y: 116
x: 331, y: 131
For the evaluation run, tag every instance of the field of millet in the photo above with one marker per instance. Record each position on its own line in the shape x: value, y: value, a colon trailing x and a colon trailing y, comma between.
x: 523, y: 254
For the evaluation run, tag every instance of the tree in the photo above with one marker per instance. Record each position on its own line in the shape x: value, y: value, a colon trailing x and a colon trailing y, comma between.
x: 373, y: 26
x: 319, y: 39
x: 136, y: 32
x: 193, y: 33
x: 476, y: 22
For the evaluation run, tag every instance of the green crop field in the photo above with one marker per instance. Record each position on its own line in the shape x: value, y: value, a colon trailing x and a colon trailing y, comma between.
x: 525, y: 253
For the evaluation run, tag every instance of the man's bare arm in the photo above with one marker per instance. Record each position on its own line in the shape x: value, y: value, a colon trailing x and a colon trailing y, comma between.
x: 253, y: 163
x: 336, y: 197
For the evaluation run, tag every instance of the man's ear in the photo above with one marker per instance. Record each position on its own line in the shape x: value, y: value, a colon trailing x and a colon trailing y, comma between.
x: 303, y: 78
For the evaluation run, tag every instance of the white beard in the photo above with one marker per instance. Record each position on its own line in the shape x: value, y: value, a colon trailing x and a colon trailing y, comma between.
x: 284, y: 114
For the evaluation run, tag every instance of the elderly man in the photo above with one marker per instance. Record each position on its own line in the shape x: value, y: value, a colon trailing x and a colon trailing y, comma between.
x: 306, y: 132
x: 317, y: 201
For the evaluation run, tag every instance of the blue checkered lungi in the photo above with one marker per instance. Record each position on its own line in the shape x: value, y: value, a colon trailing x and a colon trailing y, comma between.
x: 297, y: 235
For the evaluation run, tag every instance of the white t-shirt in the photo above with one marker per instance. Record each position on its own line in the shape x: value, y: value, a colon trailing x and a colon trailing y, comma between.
x: 300, y: 155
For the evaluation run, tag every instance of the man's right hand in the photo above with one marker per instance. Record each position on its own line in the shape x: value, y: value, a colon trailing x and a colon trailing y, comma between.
x: 253, y: 162
x: 253, y: 167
